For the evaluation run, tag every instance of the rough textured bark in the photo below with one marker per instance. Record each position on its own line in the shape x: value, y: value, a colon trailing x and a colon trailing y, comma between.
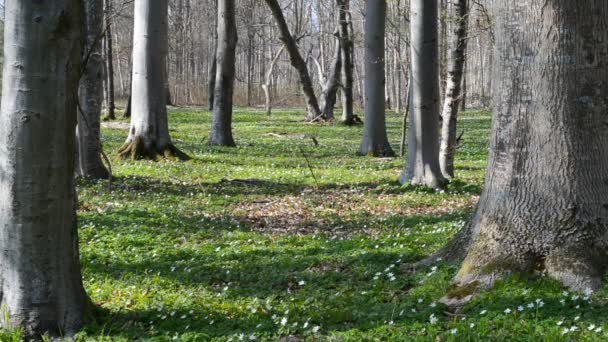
x: 375, y: 140
x: 312, y: 104
x: 149, y: 132
x: 422, y: 167
x: 544, y: 204
x: 89, y: 163
x: 455, y: 66
x: 346, y: 44
x: 40, y: 280
x: 221, y: 127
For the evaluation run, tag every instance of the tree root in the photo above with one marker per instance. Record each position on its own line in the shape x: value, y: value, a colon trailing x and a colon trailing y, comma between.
x: 136, y: 150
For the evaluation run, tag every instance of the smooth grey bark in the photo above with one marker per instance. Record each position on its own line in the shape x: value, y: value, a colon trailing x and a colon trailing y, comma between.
x: 375, y: 140
x: 332, y: 84
x: 346, y: 44
x: 149, y: 132
x: 267, y: 86
x: 457, y: 27
x: 89, y: 163
x: 312, y: 104
x: 544, y: 204
x: 221, y: 127
x: 422, y: 168
x: 40, y: 280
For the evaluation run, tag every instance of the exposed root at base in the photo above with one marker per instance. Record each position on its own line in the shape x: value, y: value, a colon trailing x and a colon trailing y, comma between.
x: 136, y: 150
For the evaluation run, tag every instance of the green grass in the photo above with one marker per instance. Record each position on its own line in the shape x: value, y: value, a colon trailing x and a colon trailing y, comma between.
x: 248, y: 243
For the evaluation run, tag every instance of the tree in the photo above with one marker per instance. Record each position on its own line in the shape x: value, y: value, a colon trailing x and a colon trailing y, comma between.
x: 109, y: 59
x: 331, y: 83
x: 213, y: 64
x: 544, y: 204
x: 422, y: 167
x: 221, y: 127
x: 40, y: 281
x: 375, y: 141
x: 453, y: 94
x: 314, y: 111
x: 149, y: 132
x: 346, y: 44
x: 89, y: 146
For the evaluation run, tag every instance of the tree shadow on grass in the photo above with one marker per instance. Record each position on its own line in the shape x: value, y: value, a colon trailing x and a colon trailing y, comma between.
x: 336, y: 273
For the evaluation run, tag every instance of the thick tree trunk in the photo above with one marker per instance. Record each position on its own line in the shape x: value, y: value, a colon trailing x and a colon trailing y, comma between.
x: 348, y: 115
x: 312, y: 104
x: 375, y: 140
x: 221, y: 127
x: 109, y: 53
x: 455, y: 66
x: 149, y: 132
x: 544, y: 203
x: 422, y: 167
x: 89, y: 163
x: 40, y: 281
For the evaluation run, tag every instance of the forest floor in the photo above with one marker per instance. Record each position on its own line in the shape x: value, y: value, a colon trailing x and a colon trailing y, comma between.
x: 282, y: 239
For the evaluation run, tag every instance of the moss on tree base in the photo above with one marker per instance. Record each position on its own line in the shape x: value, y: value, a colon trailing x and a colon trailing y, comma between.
x: 137, y: 150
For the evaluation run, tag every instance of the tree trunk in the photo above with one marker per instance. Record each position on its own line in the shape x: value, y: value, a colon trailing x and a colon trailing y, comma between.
x: 312, y: 104
x: 422, y: 167
x: 330, y: 88
x: 348, y: 116
x: 267, y: 86
x: 91, y: 90
x: 128, y: 108
x: 457, y: 24
x: 221, y: 127
x: 109, y: 53
x: 544, y: 203
x: 213, y: 71
x: 40, y: 281
x: 375, y: 140
x: 149, y: 132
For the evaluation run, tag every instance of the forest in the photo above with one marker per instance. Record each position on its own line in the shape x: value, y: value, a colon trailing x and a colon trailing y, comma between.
x: 304, y: 170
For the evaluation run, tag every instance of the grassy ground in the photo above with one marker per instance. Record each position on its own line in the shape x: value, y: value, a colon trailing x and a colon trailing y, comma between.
x: 280, y: 238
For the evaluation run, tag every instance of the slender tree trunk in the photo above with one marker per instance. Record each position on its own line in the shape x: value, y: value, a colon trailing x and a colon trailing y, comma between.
x: 109, y: 53
x: 89, y: 163
x: 375, y: 140
x: 348, y: 116
x: 406, y: 113
x: 544, y: 202
x: 267, y: 86
x: 463, y: 96
x: 312, y: 104
x: 213, y: 70
x: 149, y: 132
x: 221, y: 127
x: 455, y: 66
x: 40, y: 281
x: 330, y: 88
x: 422, y: 167
x: 128, y: 108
